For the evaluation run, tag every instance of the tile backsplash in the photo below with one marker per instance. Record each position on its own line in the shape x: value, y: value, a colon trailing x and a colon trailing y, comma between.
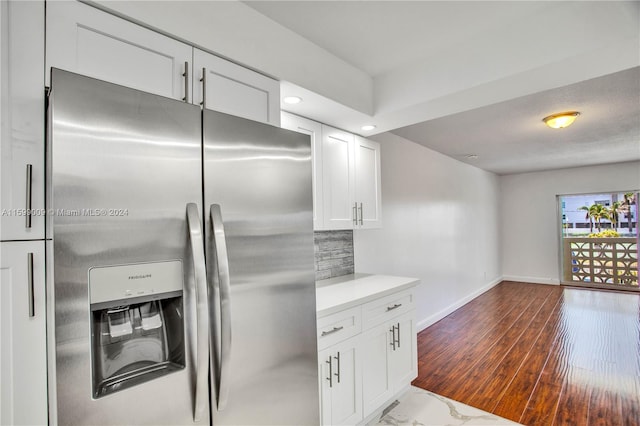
x: 334, y: 253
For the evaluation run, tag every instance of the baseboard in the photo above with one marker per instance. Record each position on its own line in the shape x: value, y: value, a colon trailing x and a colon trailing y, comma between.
x: 426, y: 322
x: 534, y: 280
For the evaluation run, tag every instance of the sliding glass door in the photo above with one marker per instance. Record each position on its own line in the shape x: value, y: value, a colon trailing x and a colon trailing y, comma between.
x: 599, y: 242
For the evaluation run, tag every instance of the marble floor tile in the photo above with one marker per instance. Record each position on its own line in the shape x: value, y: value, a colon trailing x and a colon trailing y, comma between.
x: 418, y: 407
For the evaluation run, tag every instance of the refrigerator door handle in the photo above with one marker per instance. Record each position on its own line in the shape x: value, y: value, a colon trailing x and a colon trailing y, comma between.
x: 202, y: 312
x: 224, y: 291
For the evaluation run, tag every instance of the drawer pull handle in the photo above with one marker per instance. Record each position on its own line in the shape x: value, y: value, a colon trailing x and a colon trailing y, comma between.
x: 334, y: 330
x: 396, y: 306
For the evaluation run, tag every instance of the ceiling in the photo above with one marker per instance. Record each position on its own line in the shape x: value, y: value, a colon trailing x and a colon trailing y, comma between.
x: 477, y: 77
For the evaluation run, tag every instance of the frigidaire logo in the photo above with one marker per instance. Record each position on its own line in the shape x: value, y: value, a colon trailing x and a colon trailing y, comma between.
x: 139, y: 277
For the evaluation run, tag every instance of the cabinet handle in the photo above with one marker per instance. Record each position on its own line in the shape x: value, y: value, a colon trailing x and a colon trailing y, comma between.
x: 186, y: 81
x: 361, y: 214
x: 392, y: 330
x: 355, y: 214
x: 334, y: 330
x: 396, y: 306
x: 32, y: 310
x: 204, y: 87
x: 330, y: 378
x: 398, y: 337
x: 28, y: 196
x: 337, y: 358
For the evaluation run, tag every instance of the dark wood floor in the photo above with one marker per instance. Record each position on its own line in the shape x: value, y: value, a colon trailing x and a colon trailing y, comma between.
x: 539, y: 355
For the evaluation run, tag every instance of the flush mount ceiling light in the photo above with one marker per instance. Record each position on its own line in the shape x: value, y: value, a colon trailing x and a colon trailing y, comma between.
x: 367, y: 127
x: 292, y: 100
x: 561, y: 120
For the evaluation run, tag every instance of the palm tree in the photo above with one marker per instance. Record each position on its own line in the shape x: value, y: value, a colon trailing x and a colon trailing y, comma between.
x: 614, y: 212
x: 599, y: 212
x: 588, y: 216
x: 629, y: 200
x: 595, y: 213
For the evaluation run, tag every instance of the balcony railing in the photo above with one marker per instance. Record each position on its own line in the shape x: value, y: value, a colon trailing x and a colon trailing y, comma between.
x: 602, y: 262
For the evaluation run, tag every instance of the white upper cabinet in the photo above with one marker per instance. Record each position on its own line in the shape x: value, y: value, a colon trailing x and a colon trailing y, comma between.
x: 235, y: 90
x: 22, y: 110
x: 351, y: 181
x: 338, y: 175
x: 314, y: 130
x: 346, y: 172
x: 368, y: 183
x: 88, y: 41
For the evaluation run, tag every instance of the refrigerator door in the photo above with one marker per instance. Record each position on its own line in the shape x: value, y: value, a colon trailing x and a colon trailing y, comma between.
x: 261, y: 270
x: 128, y: 252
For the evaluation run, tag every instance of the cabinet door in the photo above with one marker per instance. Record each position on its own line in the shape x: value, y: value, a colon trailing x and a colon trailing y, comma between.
x: 324, y: 374
x: 23, y: 358
x: 342, y: 395
x: 22, y: 130
x: 376, y: 378
x: 338, y: 165
x: 368, y: 191
x: 88, y: 41
x: 235, y: 90
x: 314, y: 130
x: 403, y: 363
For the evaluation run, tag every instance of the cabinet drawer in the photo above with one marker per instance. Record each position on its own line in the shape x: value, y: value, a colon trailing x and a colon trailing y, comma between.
x: 385, y: 308
x: 339, y: 326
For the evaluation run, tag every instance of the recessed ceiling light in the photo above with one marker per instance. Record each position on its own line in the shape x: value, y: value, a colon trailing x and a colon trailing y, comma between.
x: 471, y: 157
x: 561, y: 120
x: 292, y: 100
x: 368, y: 127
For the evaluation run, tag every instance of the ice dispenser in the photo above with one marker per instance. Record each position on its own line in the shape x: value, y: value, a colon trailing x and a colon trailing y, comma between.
x: 137, y: 324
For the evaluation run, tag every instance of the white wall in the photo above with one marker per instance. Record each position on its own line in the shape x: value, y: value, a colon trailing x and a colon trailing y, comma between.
x: 440, y: 224
x: 530, y: 232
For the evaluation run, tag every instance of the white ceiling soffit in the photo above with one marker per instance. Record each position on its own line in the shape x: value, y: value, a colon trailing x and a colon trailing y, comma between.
x: 433, y: 59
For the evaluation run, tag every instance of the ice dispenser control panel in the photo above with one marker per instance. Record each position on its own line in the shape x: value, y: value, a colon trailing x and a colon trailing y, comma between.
x: 114, y: 283
x: 137, y: 327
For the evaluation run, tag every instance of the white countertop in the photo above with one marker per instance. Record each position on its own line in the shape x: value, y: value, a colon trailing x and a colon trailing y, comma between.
x: 336, y: 294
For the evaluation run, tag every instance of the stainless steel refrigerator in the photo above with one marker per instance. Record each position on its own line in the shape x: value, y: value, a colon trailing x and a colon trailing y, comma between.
x: 182, y: 284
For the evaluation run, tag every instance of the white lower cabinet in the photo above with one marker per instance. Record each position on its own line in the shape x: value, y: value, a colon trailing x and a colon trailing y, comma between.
x: 341, y: 383
x: 23, y: 356
x: 389, y: 360
x: 371, y: 360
